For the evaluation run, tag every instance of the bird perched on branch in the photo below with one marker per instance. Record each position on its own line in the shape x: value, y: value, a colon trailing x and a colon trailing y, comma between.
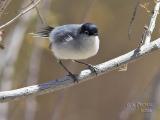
x: 72, y: 42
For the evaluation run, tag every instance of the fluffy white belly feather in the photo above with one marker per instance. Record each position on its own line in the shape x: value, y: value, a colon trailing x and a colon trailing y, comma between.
x: 89, y: 49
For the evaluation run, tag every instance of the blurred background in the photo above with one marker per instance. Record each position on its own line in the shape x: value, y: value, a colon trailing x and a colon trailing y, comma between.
x: 26, y: 60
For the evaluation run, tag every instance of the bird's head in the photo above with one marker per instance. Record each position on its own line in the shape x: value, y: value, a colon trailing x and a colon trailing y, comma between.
x: 89, y: 29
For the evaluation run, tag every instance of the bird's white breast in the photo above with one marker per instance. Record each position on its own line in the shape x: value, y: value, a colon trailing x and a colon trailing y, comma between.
x: 67, y: 50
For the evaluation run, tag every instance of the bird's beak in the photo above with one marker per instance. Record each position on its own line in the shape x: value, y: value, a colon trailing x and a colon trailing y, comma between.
x: 95, y: 34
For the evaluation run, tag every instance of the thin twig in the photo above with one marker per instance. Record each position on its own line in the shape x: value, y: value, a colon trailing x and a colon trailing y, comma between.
x: 3, y: 6
x: 152, y: 23
x: 20, y: 14
x: 39, y: 15
x: 132, y: 20
x: 84, y: 75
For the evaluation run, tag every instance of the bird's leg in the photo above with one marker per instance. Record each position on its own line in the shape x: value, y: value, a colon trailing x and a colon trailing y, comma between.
x: 70, y: 74
x: 91, y: 67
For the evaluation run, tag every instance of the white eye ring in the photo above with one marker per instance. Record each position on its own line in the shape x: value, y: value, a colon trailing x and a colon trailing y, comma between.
x: 86, y: 32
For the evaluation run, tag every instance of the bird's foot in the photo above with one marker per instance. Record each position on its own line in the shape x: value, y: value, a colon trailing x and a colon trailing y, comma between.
x: 93, y: 69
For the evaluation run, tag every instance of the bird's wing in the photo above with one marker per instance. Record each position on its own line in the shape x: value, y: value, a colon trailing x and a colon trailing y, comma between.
x: 65, y: 36
x: 68, y: 37
x: 62, y: 37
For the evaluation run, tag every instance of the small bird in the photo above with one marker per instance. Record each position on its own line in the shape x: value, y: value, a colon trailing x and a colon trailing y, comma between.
x: 72, y: 42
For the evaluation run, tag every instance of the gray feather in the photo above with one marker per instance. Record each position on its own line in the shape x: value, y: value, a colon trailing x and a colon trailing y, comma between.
x: 44, y: 32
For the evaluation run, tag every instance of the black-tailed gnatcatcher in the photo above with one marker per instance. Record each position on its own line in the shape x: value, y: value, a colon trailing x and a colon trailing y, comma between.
x: 73, y: 42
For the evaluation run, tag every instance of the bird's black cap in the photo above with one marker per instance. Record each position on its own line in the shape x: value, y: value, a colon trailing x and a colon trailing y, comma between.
x: 89, y: 29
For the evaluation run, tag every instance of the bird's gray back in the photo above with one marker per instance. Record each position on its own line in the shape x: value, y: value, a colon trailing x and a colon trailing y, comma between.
x: 61, y: 33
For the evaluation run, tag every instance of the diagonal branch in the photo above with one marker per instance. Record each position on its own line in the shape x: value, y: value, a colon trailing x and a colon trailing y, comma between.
x: 83, y: 76
x: 20, y: 14
x: 151, y: 26
x: 3, y: 6
x: 39, y: 15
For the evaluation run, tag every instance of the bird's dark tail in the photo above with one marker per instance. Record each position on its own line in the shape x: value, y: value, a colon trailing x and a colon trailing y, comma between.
x: 44, y: 32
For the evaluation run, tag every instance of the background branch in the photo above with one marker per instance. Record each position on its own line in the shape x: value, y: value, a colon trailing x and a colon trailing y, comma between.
x: 3, y: 6
x: 39, y: 15
x: 20, y: 14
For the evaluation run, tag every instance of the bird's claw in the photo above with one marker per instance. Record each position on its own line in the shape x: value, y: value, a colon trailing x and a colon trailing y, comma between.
x: 93, y: 69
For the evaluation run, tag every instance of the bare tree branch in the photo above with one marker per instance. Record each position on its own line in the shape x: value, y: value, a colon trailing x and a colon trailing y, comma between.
x: 84, y: 75
x: 152, y: 22
x: 39, y: 15
x: 21, y: 13
x: 3, y: 6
